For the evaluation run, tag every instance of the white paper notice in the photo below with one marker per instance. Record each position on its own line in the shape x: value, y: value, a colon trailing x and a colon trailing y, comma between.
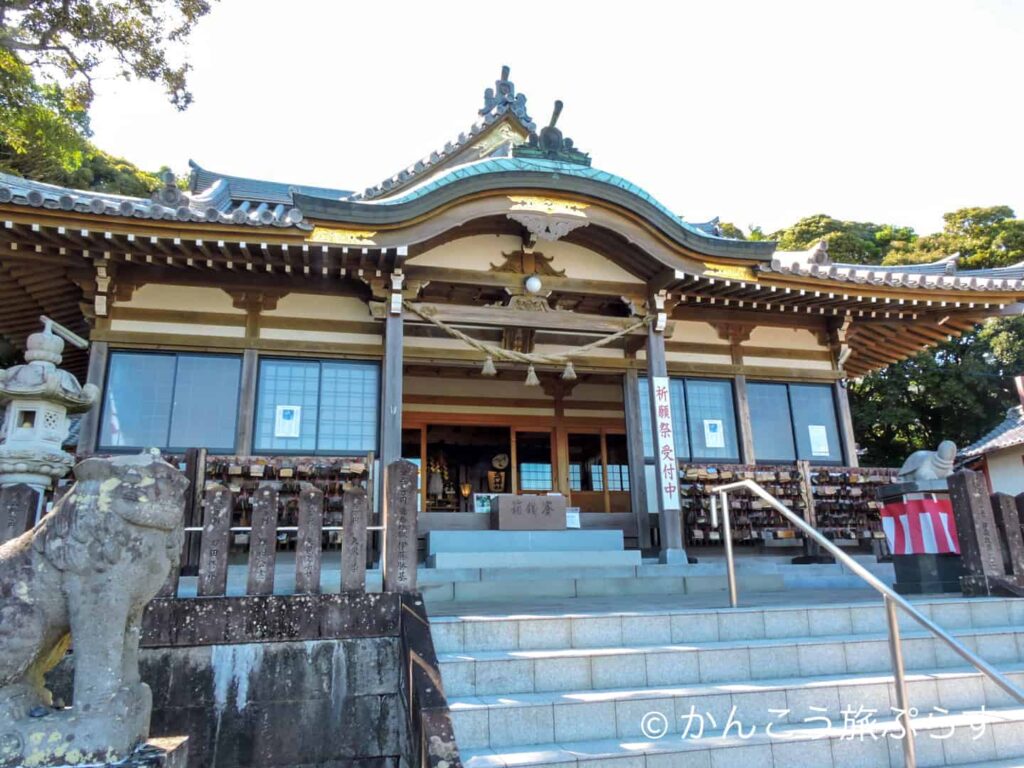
x: 572, y: 517
x: 819, y: 439
x: 288, y: 421
x: 714, y: 433
x: 668, y: 465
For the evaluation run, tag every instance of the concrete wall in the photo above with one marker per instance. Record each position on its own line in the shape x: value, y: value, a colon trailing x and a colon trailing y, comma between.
x: 1006, y: 471
x: 313, y: 703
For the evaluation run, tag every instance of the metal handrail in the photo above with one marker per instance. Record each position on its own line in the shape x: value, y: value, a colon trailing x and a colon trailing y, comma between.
x: 279, y: 529
x: 892, y: 600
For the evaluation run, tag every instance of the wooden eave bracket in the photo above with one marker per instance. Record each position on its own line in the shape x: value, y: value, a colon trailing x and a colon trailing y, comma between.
x: 255, y: 300
x: 733, y: 332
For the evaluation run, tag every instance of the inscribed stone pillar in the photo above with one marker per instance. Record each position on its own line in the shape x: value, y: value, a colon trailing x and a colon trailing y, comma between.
x: 1008, y: 522
x: 17, y: 510
x: 215, y: 542
x: 355, y: 512
x: 263, y: 541
x: 670, y: 520
x: 979, y: 536
x: 400, y: 542
x: 309, y: 540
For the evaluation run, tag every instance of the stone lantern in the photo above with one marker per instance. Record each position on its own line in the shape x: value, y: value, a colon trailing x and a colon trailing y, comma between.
x: 38, y: 397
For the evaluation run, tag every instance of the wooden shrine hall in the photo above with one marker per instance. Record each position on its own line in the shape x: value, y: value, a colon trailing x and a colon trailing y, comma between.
x: 500, y: 312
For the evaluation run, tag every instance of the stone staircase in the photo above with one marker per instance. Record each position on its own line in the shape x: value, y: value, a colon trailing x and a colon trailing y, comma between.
x: 617, y: 689
x: 557, y: 580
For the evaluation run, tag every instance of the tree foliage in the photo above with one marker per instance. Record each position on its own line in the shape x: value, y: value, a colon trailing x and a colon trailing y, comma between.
x: 849, y: 242
x: 42, y: 137
x: 50, y: 53
x: 71, y: 40
x: 957, y: 391
x: 960, y: 389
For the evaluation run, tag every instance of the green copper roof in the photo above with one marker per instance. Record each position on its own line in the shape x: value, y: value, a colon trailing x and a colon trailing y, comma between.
x: 508, y: 164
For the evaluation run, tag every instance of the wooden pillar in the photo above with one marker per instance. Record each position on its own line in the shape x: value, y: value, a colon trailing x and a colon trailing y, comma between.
x: 846, y: 423
x: 635, y: 449
x: 391, y: 379
x: 246, y: 403
x: 746, y: 427
x: 670, y: 519
x: 89, y: 428
x: 195, y: 471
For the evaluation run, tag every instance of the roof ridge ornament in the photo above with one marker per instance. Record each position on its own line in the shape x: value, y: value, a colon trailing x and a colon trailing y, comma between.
x: 550, y: 144
x: 169, y: 194
x: 503, y: 98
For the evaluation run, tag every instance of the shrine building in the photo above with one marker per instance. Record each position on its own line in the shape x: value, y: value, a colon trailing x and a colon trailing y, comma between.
x: 500, y: 312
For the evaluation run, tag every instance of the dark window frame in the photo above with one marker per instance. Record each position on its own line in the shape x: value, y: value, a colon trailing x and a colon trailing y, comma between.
x: 177, y: 355
x: 691, y: 458
x: 841, y: 461
x: 319, y: 396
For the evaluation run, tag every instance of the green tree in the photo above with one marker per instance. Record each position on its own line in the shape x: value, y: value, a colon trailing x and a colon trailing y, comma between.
x: 50, y: 53
x: 962, y: 388
x: 982, y: 237
x: 728, y: 229
x: 71, y: 40
x: 957, y: 391
x: 849, y: 242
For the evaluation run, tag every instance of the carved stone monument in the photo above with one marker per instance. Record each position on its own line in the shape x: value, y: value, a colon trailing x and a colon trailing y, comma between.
x: 400, y: 542
x: 981, y: 541
x: 920, y: 525
x: 86, y: 572
x: 37, y: 396
x: 929, y: 465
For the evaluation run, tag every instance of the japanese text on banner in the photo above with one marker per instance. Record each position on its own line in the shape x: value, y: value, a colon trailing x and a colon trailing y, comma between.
x: 667, y: 464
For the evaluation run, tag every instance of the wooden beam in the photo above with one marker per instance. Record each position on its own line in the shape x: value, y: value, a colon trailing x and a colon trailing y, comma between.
x: 391, y: 389
x: 743, y: 421
x: 846, y: 433
x: 89, y: 427
x: 670, y: 521
x: 635, y: 453
x: 502, y: 317
x: 515, y: 280
x: 244, y: 428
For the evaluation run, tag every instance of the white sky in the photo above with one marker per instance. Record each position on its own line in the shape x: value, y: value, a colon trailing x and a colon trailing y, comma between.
x: 759, y: 112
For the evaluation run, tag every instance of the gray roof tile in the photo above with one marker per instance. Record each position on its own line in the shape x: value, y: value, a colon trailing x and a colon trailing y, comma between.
x: 167, y: 203
x: 1007, y: 435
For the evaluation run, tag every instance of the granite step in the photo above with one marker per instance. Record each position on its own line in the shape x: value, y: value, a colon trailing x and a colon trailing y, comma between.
x: 536, y: 631
x: 523, y: 541
x: 477, y: 673
x: 536, y: 559
x: 497, y: 721
x: 515, y: 584
x: 979, y: 738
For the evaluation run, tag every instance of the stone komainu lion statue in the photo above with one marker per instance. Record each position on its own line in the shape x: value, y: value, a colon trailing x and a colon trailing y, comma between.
x: 86, y: 572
